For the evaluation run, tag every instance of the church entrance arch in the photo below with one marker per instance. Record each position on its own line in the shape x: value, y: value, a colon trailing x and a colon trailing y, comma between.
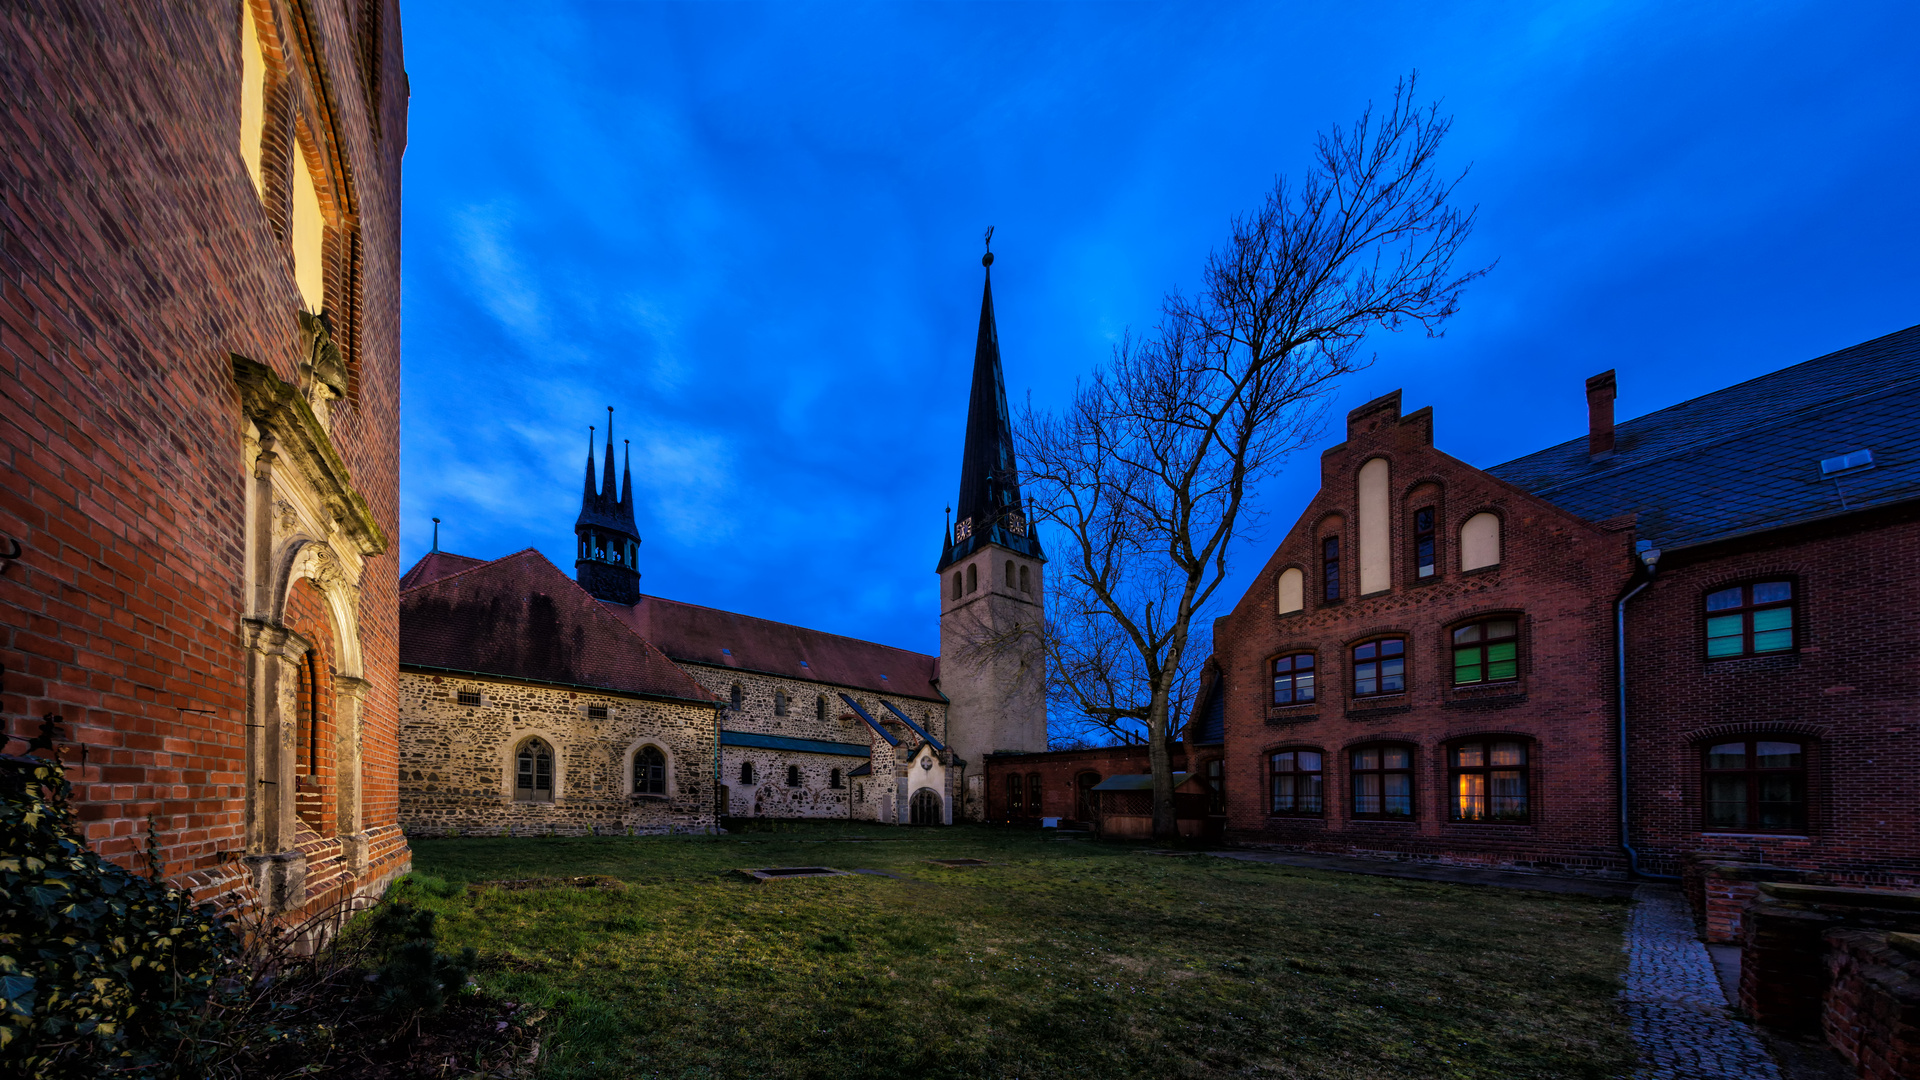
x: 925, y: 808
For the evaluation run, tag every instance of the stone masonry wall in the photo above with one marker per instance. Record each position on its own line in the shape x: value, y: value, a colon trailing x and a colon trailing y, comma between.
x: 456, y: 761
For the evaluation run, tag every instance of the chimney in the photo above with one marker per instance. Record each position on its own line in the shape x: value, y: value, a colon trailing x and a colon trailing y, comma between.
x: 1600, y: 415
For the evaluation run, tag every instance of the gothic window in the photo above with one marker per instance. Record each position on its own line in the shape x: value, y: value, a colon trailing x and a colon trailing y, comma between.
x: 1748, y: 620
x: 746, y: 772
x: 1486, y: 651
x: 1009, y: 573
x: 973, y: 577
x: 1489, y: 779
x: 736, y: 698
x: 820, y: 707
x: 793, y: 776
x: 1330, y: 567
x: 1380, y: 667
x: 1425, y: 563
x: 1756, y: 785
x: 649, y: 772
x: 1297, y: 778
x: 533, y: 772
x: 833, y: 779
x: 1026, y: 584
x: 1382, y: 781
x: 779, y: 703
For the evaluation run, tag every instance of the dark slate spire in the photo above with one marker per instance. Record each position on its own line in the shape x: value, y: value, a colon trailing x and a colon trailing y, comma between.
x: 989, y: 510
x: 608, y: 552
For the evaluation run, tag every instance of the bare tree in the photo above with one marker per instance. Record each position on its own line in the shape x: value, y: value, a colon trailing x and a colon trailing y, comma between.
x: 1147, y: 469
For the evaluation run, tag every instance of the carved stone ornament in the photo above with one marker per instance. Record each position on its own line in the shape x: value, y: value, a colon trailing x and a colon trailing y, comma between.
x: 288, y: 423
x: 323, y: 375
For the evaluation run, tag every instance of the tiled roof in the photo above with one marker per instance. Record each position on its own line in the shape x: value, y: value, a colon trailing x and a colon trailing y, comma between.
x: 520, y: 617
x: 1747, y: 458
x: 783, y: 742
x: 692, y: 634
x: 434, y: 566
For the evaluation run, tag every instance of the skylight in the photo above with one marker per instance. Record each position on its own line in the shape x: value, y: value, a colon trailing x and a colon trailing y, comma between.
x: 1857, y: 459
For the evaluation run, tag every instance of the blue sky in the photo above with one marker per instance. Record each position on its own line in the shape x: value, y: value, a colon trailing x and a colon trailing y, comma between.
x: 755, y: 232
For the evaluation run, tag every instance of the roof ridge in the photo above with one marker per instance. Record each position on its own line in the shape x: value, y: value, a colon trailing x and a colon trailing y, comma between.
x: 479, y: 566
x: 1695, y: 447
x: 594, y: 602
x: 796, y: 626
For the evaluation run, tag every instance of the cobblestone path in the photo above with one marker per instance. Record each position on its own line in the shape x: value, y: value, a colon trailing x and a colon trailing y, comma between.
x: 1679, y: 1016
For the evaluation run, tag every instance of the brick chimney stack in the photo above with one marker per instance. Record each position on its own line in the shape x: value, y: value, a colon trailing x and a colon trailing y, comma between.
x: 1600, y: 415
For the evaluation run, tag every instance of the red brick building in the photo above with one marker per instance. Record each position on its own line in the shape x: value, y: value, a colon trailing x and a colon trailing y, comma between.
x: 199, y: 416
x: 1054, y: 783
x: 1429, y: 664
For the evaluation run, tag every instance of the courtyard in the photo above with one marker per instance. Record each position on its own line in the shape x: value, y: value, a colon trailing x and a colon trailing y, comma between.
x: 1058, y: 957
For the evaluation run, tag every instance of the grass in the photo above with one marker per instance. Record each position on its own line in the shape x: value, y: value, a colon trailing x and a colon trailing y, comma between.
x: 1063, y: 958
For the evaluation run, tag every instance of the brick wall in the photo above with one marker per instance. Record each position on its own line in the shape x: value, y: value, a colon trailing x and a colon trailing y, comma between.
x: 1059, y: 772
x: 1846, y: 692
x: 457, y: 767
x: 1872, y: 1007
x: 1557, y: 576
x: 136, y: 256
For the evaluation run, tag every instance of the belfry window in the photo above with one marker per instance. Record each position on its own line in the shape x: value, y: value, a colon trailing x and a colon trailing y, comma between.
x: 1026, y: 584
x: 956, y: 584
x: 973, y: 577
x: 533, y: 772
x: 649, y: 772
x: 1009, y: 573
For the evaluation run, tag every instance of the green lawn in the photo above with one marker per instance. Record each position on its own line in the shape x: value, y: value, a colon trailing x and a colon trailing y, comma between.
x: 1063, y: 958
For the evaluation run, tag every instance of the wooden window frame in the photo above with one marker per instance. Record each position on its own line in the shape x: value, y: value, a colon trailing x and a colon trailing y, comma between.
x: 1214, y: 774
x: 1330, y: 569
x: 528, y: 779
x: 1752, y: 772
x: 1426, y: 544
x: 1274, y: 773
x: 1016, y: 806
x: 1354, y: 662
x: 1381, y: 771
x: 646, y: 786
x: 1293, y: 675
x: 1485, y: 770
x: 1747, y: 612
x: 1482, y: 647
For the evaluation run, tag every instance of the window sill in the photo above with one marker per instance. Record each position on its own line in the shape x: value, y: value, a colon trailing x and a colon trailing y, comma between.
x: 649, y: 798
x: 1283, y: 816
x: 1758, y: 835
x: 1292, y: 714
x: 1490, y: 824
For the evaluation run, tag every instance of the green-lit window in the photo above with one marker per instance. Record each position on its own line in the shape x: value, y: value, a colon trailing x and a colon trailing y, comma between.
x: 1756, y: 785
x: 1487, y: 651
x: 1750, y: 620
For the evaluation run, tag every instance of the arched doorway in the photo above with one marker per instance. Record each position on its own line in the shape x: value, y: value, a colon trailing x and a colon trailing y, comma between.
x: 925, y: 808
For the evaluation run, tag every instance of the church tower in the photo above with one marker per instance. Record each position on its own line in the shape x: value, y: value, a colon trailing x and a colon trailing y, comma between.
x: 992, y: 667
x: 608, y: 556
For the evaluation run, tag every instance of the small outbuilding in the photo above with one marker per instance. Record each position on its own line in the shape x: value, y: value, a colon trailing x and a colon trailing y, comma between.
x: 1123, y: 807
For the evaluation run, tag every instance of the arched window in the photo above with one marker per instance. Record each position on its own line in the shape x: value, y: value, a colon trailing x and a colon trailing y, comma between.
x: 737, y: 698
x: 1480, y: 541
x: 973, y: 577
x: 1216, y: 787
x: 820, y: 707
x: 1330, y: 568
x: 1026, y: 582
x: 1756, y: 785
x: 1380, y: 667
x: 1382, y: 781
x: 1009, y: 573
x: 1297, y: 783
x: 1293, y: 679
x: 833, y: 779
x: 779, y: 703
x: 1290, y: 592
x: 1033, y: 795
x: 649, y: 771
x: 746, y: 772
x: 1015, y: 807
x: 793, y: 776
x: 1083, y: 787
x: 253, y: 96
x: 1486, y: 651
x: 1489, y: 780
x: 956, y: 584
x: 1426, y: 562
x: 533, y: 772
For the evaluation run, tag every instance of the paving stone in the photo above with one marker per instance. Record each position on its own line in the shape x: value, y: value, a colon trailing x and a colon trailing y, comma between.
x: 1674, y: 1003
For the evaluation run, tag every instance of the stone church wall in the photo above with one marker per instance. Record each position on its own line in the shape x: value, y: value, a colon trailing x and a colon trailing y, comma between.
x: 457, y: 761
x: 871, y: 798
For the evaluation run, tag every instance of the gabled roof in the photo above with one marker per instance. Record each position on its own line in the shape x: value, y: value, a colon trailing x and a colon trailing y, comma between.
x: 1747, y: 458
x: 520, y: 617
x: 692, y: 634
x: 435, y: 565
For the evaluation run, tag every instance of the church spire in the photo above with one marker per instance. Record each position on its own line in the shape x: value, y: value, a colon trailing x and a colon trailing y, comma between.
x: 609, y: 542
x: 989, y: 510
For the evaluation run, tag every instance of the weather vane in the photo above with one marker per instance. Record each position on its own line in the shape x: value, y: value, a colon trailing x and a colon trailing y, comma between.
x: 987, y: 259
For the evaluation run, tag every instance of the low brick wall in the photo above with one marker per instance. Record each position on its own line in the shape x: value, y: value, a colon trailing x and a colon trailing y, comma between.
x: 1872, y: 1008
x: 1719, y: 889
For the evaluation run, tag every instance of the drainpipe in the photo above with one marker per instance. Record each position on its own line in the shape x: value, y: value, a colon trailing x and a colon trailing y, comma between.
x: 1650, y: 558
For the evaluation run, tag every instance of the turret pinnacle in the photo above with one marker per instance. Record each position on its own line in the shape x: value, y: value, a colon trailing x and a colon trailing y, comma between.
x: 609, y: 542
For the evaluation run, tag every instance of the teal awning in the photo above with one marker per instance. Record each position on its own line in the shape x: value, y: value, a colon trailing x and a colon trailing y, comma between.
x: 804, y: 746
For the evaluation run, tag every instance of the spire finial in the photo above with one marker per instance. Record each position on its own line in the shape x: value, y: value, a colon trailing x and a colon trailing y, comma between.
x: 987, y: 259
x: 436, y: 534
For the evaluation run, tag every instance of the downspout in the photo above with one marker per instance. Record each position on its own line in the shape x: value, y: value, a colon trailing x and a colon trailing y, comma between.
x: 1649, y: 557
